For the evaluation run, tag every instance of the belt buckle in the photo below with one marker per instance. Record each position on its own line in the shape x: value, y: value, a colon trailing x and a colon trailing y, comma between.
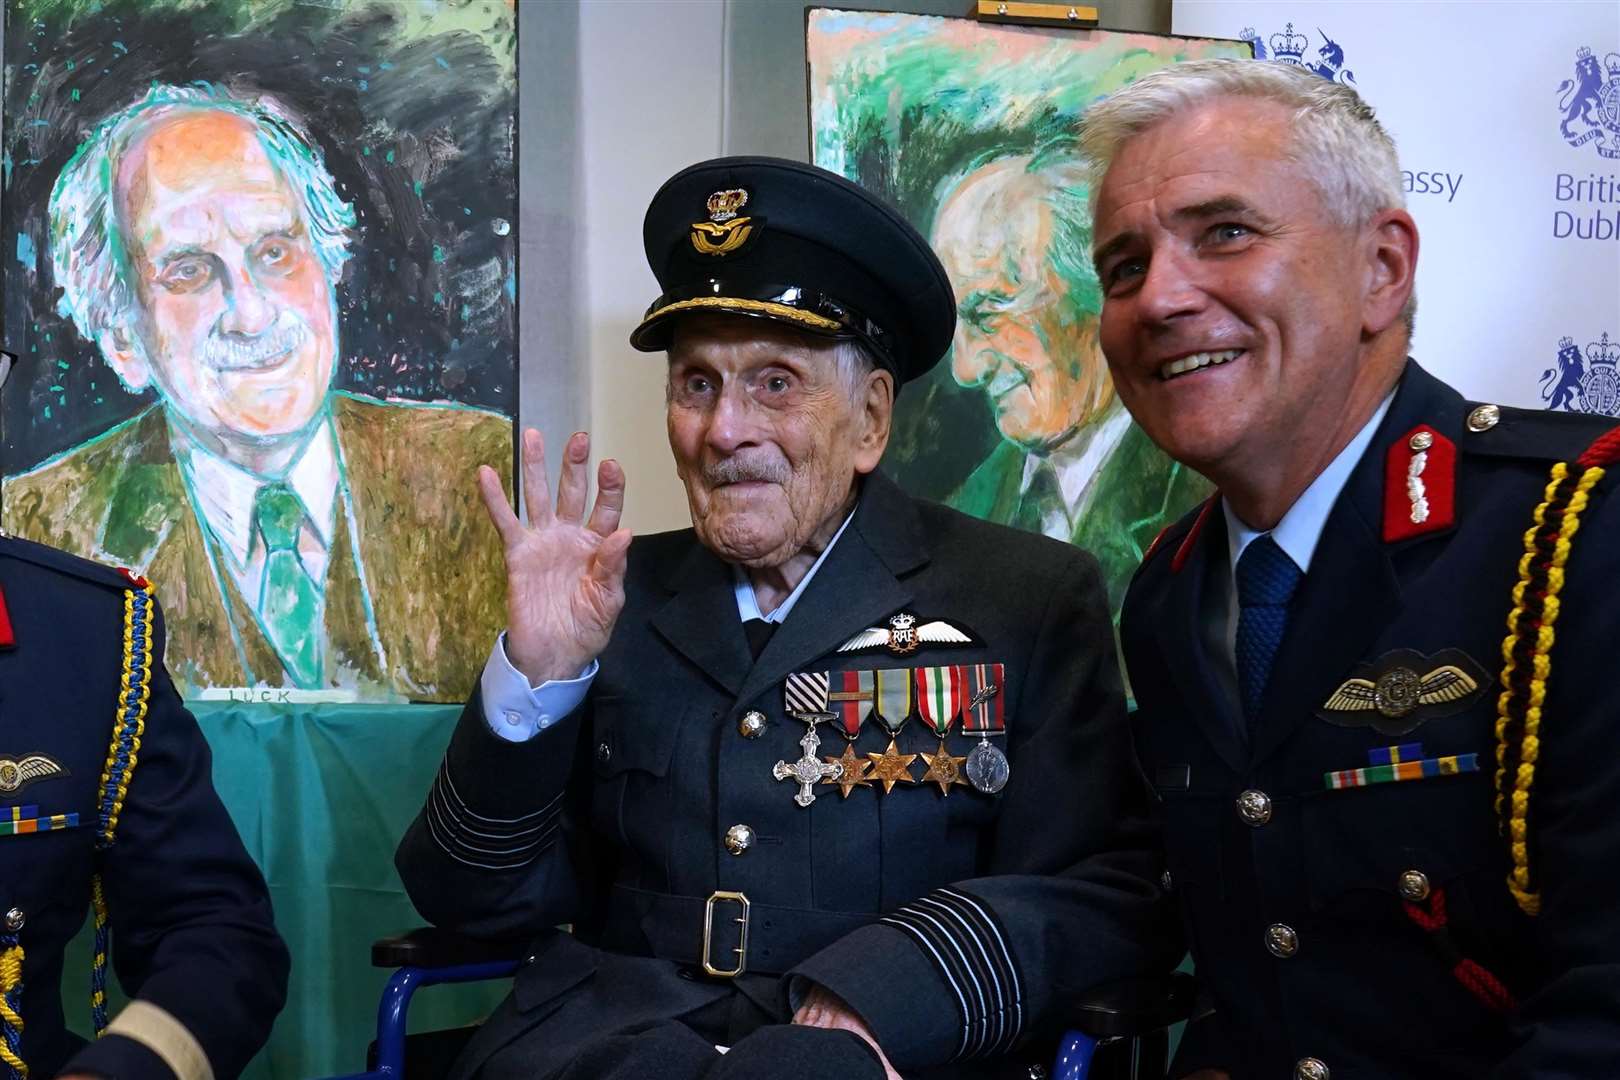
x: 741, y: 948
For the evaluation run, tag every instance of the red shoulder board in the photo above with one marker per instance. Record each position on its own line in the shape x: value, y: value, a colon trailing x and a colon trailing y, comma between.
x: 7, y: 639
x: 1191, y: 538
x: 135, y: 580
x: 1420, y: 485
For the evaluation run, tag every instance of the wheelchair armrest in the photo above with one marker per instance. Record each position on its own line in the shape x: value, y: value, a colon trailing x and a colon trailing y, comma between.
x: 431, y: 947
x: 1133, y: 1007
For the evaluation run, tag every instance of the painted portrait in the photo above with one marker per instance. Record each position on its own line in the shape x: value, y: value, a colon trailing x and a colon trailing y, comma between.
x: 260, y: 273
x: 969, y: 129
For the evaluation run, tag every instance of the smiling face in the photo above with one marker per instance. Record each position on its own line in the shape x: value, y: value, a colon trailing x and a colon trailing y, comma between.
x: 1246, y: 329
x: 767, y: 437
x: 237, y: 321
x: 1034, y: 354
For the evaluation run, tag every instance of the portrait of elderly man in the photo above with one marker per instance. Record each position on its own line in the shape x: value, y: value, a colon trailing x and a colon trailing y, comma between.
x: 198, y: 239
x: 833, y: 755
x: 1014, y: 234
x: 1387, y: 788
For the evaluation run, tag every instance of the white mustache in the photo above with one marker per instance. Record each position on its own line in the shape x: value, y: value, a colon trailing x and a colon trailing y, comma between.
x: 233, y: 352
x: 745, y: 470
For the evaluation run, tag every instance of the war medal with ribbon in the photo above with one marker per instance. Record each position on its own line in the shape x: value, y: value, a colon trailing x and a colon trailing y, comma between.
x: 805, y: 697
x: 984, y: 715
x: 939, y: 700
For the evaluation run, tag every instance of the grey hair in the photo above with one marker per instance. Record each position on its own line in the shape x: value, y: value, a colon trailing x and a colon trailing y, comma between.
x: 855, y: 362
x: 88, y: 254
x: 1347, y: 153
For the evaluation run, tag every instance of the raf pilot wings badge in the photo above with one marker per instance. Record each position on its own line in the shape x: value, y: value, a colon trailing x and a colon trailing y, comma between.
x: 18, y: 773
x: 903, y: 636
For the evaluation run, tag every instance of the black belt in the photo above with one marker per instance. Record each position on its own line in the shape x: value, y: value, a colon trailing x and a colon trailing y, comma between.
x: 726, y: 934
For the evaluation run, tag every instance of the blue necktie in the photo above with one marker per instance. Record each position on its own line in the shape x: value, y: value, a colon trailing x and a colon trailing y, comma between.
x: 1266, y: 579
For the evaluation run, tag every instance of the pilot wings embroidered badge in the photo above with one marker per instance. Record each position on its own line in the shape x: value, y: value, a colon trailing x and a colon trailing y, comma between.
x: 1403, y: 689
x: 18, y: 773
x: 904, y: 636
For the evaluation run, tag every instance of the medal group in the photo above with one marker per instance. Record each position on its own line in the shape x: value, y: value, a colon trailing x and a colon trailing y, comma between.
x: 939, y: 697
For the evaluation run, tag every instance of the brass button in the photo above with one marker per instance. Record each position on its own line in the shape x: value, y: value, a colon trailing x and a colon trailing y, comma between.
x: 1281, y: 941
x: 604, y: 753
x: 1166, y: 881
x: 15, y: 919
x: 739, y: 838
x: 751, y: 724
x: 1254, y: 807
x: 1414, y: 885
x: 1483, y: 418
x: 1422, y: 440
x: 1310, y: 1069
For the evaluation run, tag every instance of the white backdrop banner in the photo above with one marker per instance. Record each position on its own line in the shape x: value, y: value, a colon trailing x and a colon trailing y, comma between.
x: 1507, y: 118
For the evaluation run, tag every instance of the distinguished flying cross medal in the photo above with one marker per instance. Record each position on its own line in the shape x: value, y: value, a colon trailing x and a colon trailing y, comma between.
x: 805, y: 695
x: 984, y: 715
x: 904, y: 635
x: 939, y: 699
x: 724, y: 233
x: 18, y: 773
x: 1403, y: 688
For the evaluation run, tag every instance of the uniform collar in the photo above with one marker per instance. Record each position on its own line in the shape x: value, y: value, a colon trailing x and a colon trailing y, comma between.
x: 748, y: 603
x: 1301, y: 527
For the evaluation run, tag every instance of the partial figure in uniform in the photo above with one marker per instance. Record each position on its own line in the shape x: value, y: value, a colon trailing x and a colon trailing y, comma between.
x: 832, y: 754
x: 1387, y: 793
x: 107, y: 805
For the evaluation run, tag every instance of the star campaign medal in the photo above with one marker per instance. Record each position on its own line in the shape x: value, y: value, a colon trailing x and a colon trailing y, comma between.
x: 987, y: 767
x: 939, y: 700
x: 944, y: 769
x: 892, y: 767
x: 855, y: 769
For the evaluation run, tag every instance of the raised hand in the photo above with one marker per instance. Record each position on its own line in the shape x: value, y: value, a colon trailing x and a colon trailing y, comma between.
x: 564, y: 574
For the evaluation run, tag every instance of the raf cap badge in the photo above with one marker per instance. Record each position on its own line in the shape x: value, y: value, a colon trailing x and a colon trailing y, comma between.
x: 724, y: 233
x: 1403, y: 689
x: 903, y: 636
x: 18, y: 773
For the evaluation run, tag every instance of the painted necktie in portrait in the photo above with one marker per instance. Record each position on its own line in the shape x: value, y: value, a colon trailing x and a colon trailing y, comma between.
x: 260, y: 271
x: 970, y: 130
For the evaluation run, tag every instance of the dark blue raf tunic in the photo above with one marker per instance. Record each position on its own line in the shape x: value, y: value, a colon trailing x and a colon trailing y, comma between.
x: 953, y: 924
x: 1342, y: 866
x: 192, y: 941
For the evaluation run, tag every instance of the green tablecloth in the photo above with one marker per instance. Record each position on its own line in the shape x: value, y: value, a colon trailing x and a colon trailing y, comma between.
x: 321, y: 795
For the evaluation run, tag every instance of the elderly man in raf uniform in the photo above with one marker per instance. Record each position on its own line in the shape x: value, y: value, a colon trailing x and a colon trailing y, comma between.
x: 1389, y: 793
x: 830, y: 750
x: 107, y: 804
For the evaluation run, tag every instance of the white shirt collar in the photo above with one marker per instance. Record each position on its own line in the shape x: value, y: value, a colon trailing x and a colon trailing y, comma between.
x: 748, y: 603
x: 1077, y: 461
x: 1301, y: 527
x: 225, y: 492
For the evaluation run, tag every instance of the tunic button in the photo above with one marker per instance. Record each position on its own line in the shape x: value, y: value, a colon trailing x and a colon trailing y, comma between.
x: 1254, y: 807
x: 739, y: 838
x: 1310, y: 1069
x: 1414, y: 885
x: 1167, y: 881
x: 604, y: 753
x: 1281, y: 941
x: 15, y: 919
x: 1421, y: 441
x: 1484, y: 418
x: 751, y: 724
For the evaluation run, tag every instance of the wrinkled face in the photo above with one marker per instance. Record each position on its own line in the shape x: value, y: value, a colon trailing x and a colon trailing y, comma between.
x: 1232, y: 302
x: 1035, y: 357
x: 238, y: 322
x: 766, y: 436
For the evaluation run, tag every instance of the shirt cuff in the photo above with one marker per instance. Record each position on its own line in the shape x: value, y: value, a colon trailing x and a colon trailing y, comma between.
x: 516, y: 711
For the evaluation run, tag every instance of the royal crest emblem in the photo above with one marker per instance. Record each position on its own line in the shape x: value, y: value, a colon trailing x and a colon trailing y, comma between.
x: 724, y: 233
x: 1590, y: 384
x: 905, y: 635
x: 1593, y: 98
x: 1289, y: 47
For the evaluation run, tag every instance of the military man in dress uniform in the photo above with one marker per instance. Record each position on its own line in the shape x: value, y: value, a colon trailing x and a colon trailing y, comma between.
x: 107, y: 805
x: 1388, y: 794
x: 829, y: 732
